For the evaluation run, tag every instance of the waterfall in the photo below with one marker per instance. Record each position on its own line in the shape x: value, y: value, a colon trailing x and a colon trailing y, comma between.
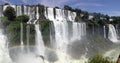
x: 19, y: 11
x: 52, y: 40
x: 1, y: 11
x: 21, y: 37
x: 4, y: 51
x: 37, y: 15
x: 27, y: 36
x: 4, y: 54
x: 39, y: 43
x: 45, y: 13
x: 25, y: 10
x: 37, y: 12
x: 104, y: 31
x: 79, y: 30
x: 112, y: 35
x: 61, y: 28
x: 61, y: 34
x: 62, y: 38
x: 76, y: 35
x: 50, y: 14
x: 69, y: 16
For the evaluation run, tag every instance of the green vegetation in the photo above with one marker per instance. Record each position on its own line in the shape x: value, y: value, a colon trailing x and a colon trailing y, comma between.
x: 22, y: 18
x: 11, y: 25
x: 99, y: 59
x: 45, y: 29
x: 13, y: 31
x: 116, y: 20
x: 10, y: 13
x: 11, y: 22
x: 41, y: 11
x: 4, y: 22
x: 97, y: 20
x: 66, y: 7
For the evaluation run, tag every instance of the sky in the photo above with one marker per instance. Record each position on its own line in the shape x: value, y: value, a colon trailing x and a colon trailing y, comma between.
x: 110, y: 7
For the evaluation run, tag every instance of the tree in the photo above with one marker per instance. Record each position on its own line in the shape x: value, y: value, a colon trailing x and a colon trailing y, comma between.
x: 23, y: 18
x: 66, y: 7
x: 57, y: 7
x: 78, y: 11
x: 85, y: 15
x: 10, y: 13
x: 116, y: 20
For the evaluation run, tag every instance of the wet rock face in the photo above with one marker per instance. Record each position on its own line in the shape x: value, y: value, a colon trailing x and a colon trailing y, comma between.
x: 118, y: 60
x: 76, y: 49
x: 89, y: 46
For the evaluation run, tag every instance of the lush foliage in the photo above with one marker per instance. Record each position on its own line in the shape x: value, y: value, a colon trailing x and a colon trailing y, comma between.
x: 99, y: 59
x: 4, y: 22
x: 116, y: 20
x: 66, y: 7
x: 97, y: 20
x: 10, y: 13
x: 12, y: 23
x: 22, y: 18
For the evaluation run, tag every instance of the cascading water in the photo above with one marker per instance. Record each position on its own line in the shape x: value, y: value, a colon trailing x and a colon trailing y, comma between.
x: 50, y: 14
x: 39, y: 43
x: 76, y: 35
x: 4, y: 54
x: 4, y: 51
x: 37, y: 15
x: 65, y: 33
x: 37, y: 12
x: 27, y: 36
x: 45, y: 13
x: 61, y: 34
x: 104, y: 32
x: 62, y: 31
x: 21, y: 37
x: 19, y: 10
x: 112, y: 35
x: 25, y: 10
x: 62, y: 38
x: 79, y: 30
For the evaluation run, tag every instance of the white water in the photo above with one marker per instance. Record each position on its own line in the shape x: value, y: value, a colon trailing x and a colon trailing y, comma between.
x: 113, y: 54
x: 27, y: 36
x: 19, y: 11
x: 104, y: 31
x: 59, y: 15
x: 45, y: 13
x: 1, y: 11
x: 25, y: 10
x: 62, y: 38
x: 21, y: 36
x: 28, y: 58
x: 37, y: 13
x: 39, y: 43
x: 112, y: 35
x: 50, y: 14
x: 61, y: 34
x: 4, y: 54
x: 79, y: 30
